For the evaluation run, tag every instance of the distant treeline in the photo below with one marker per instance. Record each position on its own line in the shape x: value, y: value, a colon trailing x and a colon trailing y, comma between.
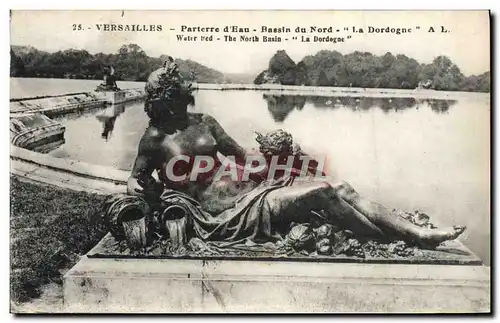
x: 362, y: 69
x: 131, y: 63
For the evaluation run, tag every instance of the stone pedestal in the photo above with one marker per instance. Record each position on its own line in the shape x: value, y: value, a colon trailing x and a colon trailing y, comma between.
x: 99, y: 285
x: 114, y: 97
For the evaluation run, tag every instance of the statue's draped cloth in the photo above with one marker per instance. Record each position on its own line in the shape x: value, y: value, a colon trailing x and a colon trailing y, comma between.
x: 249, y: 220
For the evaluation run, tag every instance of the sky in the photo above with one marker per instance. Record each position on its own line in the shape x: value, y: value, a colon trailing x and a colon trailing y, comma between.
x: 467, y: 43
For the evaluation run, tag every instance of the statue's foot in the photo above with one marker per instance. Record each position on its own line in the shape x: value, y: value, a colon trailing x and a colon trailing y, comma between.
x: 431, y: 238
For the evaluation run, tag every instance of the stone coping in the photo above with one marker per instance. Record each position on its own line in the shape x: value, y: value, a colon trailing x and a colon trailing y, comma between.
x: 53, y: 106
x: 70, y: 166
x: 62, y: 104
x: 41, y: 175
x: 344, y: 91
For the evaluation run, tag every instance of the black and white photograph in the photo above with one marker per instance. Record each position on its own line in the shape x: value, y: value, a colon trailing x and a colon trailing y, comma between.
x: 250, y: 161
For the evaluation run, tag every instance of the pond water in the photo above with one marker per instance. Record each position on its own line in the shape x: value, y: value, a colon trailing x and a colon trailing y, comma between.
x: 405, y: 153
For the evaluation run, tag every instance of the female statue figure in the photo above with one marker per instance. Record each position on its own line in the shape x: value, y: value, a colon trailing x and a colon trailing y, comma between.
x: 109, y: 80
x: 259, y: 209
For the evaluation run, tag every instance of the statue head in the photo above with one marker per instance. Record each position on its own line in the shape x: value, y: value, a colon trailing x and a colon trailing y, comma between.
x: 169, y: 96
x: 169, y: 65
x: 169, y: 60
x: 275, y: 143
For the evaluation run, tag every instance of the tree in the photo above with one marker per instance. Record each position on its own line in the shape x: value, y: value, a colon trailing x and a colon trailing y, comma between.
x: 260, y: 78
x: 301, y: 74
x: 443, y: 74
x: 283, y: 68
x: 16, y: 65
x: 481, y: 83
x: 323, y: 79
x: 280, y: 63
x: 325, y: 68
x: 363, y: 69
x: 130, y: 63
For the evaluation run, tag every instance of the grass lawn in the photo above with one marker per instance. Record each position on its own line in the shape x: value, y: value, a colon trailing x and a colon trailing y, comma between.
x: 49, y: 229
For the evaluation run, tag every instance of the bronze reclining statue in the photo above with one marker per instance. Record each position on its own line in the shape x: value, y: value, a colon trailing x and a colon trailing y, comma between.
x: 201, y: 210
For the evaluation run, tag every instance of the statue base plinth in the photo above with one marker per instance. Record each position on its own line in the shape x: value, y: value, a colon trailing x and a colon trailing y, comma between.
x: 112, y: 285
x: 113, y: 97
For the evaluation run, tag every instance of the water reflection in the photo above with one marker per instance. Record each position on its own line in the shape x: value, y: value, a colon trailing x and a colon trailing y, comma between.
x: 440, y: 106
x: 280, y: 106
x: 108, y: 118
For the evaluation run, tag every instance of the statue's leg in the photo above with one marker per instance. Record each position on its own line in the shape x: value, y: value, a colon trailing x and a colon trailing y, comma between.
x: 343, y: 206
x: 393, y: 225
x: 295, y: 203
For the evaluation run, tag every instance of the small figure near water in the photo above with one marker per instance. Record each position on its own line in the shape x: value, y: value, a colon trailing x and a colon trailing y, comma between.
x: 109, y: 81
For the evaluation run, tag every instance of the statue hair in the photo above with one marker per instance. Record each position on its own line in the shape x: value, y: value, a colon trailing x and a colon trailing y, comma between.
x: 176, y: 99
